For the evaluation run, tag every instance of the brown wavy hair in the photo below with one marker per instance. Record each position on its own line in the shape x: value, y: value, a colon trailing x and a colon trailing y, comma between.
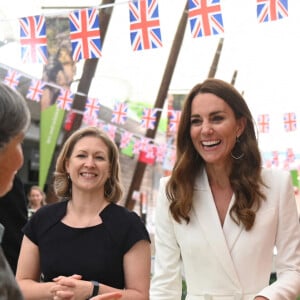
x: 245, y: 177
x: 113, y: 189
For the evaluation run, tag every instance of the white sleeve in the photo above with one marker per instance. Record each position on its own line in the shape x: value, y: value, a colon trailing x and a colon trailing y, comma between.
x: 287, y: 285
x: 166, y: 283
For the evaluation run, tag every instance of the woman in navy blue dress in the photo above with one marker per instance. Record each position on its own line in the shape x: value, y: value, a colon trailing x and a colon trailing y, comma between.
x: 86, y: 244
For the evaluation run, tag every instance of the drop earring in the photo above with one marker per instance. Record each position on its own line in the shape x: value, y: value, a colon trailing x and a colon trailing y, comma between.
x: 236, y: 152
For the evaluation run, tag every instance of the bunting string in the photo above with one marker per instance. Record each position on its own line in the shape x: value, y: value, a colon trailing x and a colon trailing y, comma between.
x: 131, y: 143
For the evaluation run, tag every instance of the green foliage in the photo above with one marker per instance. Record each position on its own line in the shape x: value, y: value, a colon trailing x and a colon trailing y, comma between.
x: 183, y: 296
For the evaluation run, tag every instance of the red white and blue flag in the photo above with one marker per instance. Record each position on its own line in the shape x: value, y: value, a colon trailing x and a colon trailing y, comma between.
x: 205, y: 18
x: 290, y: 155
x: 161, y: 152
x: 12, y: 78
x: 65, y: 99
x: 275, y: 158
x: 110, y: 130
x: 290, y: 122
x: 174, y: 118
x: 92, y: 107
x: 119, y: 114
x: 148, y: 120
x: 263, y: 123
x: 126, y: 137
x: 90, y: 120
x: 35, y: 90
x: 144, y: 25
x: 33, y: 39
x: 271, y: 10
x: 85, y: 34
x: 141, y: 145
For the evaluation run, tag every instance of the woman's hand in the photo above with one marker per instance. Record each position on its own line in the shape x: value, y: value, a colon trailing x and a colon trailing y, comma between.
x: 108, y: 296
x: 71, y: 288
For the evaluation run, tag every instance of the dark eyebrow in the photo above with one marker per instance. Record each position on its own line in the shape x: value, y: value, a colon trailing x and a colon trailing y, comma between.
x: 211, y: 114
x: 195, y: 116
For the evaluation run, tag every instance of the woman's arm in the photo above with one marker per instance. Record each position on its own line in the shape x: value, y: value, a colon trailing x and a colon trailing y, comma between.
x: 166, y: 282
x: 108, y: 296
x: 137, y: 267
x: 287, y: 262
x: 28, y: 273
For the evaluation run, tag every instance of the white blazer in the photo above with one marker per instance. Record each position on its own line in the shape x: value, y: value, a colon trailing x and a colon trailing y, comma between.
x: 228, y: 263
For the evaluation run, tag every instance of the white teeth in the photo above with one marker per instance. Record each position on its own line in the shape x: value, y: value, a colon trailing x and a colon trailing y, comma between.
x: 88, y: 175
x: 210, y: 143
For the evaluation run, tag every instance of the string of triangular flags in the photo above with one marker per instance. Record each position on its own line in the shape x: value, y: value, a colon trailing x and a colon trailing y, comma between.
x: 120, y: 110
x: 289, y: 122
x: 132, y: 144
x: 287, y: 160
x: 205, y: 19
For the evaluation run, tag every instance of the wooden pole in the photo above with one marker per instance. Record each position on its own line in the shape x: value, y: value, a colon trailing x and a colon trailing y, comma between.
x: 159, y: 103
x: 215, y: 62
x: 80, y: 98
x: 89, y: 69
x: 234, y: 77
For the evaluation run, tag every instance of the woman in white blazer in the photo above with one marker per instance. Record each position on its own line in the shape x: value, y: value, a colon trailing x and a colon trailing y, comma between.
x: 220, y: 214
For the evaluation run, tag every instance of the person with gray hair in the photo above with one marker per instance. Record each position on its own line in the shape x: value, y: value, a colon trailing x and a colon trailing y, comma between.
x: 14, y: 122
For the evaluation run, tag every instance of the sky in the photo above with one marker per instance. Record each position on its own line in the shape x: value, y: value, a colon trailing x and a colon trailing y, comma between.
x: 265, y: 55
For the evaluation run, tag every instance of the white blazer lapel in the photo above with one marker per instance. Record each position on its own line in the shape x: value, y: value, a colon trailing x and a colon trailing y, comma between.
x: 205, y: 212
x: 230, y: 229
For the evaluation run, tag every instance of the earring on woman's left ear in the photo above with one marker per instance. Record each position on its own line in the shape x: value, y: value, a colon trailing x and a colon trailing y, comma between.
x: 236, y: 152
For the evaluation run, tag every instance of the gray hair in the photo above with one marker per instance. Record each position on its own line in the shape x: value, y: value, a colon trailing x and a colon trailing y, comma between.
x: 14, y: 114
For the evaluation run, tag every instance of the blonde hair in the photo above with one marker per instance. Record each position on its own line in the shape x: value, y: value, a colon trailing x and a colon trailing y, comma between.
x: 37, y: 188
x: 113, y: 189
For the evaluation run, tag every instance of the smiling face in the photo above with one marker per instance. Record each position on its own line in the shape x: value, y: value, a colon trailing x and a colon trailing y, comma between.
x: 11, y: 160
x: 35, y: 197
x: 214, y: 128
x: 89, y: 165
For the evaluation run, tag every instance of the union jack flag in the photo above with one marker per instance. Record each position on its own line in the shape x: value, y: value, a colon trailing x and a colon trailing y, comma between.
x: 174, y: 118
x: 90, y: 120
x: 271, y: 10
x: 275, y: 158
x: 161, y: 152
x: 141, y: 145
x: 65, y: 99
x: 35, y: 90
x: 144, y: 25
x: 33, y: 39
x: 263, y: 123
x: 148, y: 118
x: 12, y: 78
x: 92, y: 107
x: 125, y: 139
x: 85, y: 34
x: 290, y: 122
x: 290, y: 155
x: 205, y: 17
x: 110, y: 130
x: 119, y: 114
